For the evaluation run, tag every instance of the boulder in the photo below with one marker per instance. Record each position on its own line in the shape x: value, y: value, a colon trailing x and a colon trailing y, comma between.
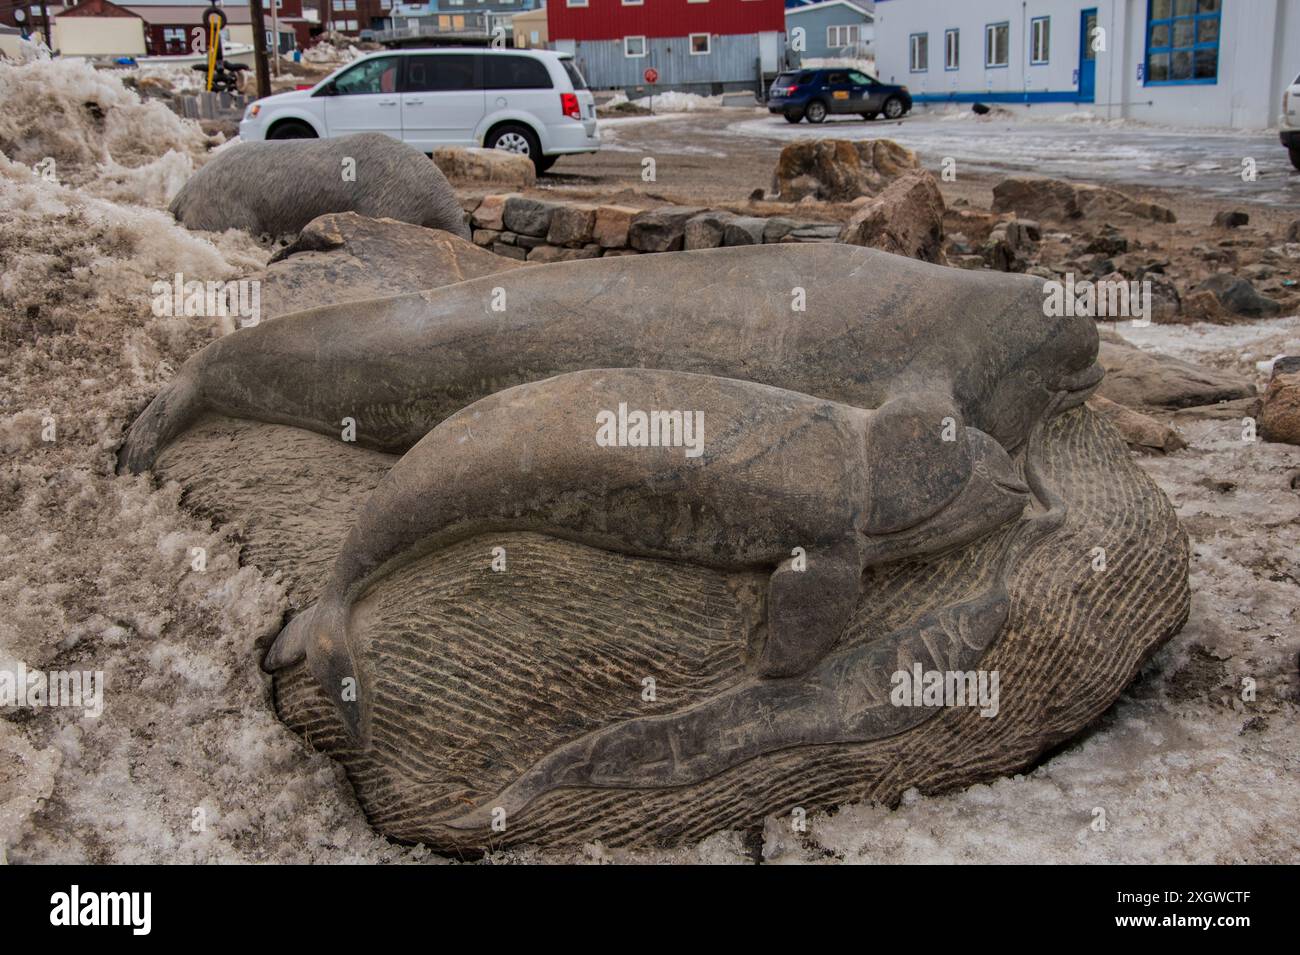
x: 612, y: 225
x: 1239, y: 297
x: 528, y: 216
x: 572, y: 225
x: 494, y: 166
x: 838, y: 170
x: 1202, y: 306
x: 662, y: 229
x: 1231, y: 220
x: 777, y: 228
x: 1141, y: 379
x: 744, y: 230
x: 489, y: 213
x: 707, y: 230
x: 1140, y: 432
x: 551, y: 253
x: 906, y: 219
x: 344, y: 257
x: 813, y: 232
x: 1279, y: 414
x: 1040, y: 198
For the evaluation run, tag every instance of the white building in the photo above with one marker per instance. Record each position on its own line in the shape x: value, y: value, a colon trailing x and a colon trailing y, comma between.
x: 1185, y: 62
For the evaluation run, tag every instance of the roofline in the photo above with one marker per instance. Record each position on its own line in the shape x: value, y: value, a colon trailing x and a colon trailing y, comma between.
x: 831, y: 3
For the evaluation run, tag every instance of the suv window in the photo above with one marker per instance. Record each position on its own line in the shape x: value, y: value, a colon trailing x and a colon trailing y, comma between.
x: 373, y: 76
x: 859, y: 79
x: 837, y: 79
x: 575, y: 75
x: 515, y: 73
x: 433, y: 74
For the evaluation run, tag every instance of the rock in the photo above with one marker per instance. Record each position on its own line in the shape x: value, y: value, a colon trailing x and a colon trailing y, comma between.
x: 662, y: 229
x: 485, y: 237
x: 1110, y: 242
x: 813, y: 232
x: 1041, y: 198
x: 777, y: 228
x: 528, y: 216
x: 490, y: 212
x: 706, y: 231
x: 510, y: 251
x: 1203, y: 306
x: 612, y: 225
x: 838, y: 170
x: 1140, y: 379
x: 1239, y: 297
x: 1166, y: 303
x: 1293, y: 231
x: 572, y: 225
x: 1139, y: 431
x: 906, y: 219
x: 551, y: 253
x: 744, y: 230
x: 493, y: 166
x: 1231, y: 220
x: 1011, y: 245
x: 1279, y: 413
x: 344, y: 257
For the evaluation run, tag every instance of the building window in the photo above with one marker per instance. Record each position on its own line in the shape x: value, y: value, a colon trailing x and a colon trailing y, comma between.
x: 575, y: 3
x: 700, y: 44
x: 997, y: 44
x: 842, y: 36
x: 919, y: 55
x: 173, y: 39
x: 1183, y: 41
x: 634, y: 46
x: 633, y: 3
x: 1040, y: 40
x: 951, y: 49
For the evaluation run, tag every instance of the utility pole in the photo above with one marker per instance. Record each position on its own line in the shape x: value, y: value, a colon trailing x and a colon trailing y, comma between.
x: 259, y: 48
x: 275, y: 36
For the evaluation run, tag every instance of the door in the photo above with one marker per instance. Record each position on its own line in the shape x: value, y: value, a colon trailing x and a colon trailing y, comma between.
x: 838, y: 91
x: 521, y: 83
x: 364, y: 99
x: 442, y: 101
x: 1087, y: 56
x: 867, y: 97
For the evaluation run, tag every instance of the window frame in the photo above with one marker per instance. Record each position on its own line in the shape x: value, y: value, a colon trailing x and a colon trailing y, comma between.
x: 912, y: 58
x: 1195, y: 17
x: 955, y: 33
x: 1046, y: 21
x: 645, y: 47
x: 1005, y: 24
x: 690, y: 44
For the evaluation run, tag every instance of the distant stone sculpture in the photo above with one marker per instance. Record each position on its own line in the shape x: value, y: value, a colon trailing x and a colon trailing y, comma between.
x: 543, y: 625
x: 278, y: 186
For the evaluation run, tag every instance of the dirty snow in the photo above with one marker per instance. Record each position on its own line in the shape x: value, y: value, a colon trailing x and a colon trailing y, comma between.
x: 189, y: 764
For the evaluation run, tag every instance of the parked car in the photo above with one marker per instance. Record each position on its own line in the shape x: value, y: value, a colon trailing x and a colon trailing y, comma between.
x: 817, y: 93
x: 531, y: 102
x: 1289, y: 122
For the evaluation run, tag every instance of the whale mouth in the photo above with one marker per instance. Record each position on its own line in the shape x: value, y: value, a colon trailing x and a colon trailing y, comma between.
x: 1013, y: 485
x: 1080, y: 385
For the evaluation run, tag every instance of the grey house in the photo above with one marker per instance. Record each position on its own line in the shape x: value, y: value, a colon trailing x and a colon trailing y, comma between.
x: 831, y: 28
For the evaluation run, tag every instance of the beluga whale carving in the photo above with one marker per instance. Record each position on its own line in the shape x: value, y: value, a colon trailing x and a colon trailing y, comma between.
x: 772, y: 511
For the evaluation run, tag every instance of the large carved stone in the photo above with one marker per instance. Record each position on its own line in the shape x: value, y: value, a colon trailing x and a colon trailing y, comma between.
x: 885, y: 491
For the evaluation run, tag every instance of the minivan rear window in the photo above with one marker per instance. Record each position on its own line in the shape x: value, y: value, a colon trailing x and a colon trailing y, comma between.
x: 515, y: 73
x: 575, y: 75
x: 442, y: 73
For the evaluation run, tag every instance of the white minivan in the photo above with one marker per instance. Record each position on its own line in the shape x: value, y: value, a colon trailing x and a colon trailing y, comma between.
x: 1289, y: 122
x: 531, y: 102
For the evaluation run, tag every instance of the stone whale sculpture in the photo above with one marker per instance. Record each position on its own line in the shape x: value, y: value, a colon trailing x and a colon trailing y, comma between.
x: 844, y: 323
x: 723, y: 473
x: 276, y: 187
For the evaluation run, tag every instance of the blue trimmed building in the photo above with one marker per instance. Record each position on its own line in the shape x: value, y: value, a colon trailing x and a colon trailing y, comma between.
x: 1183, y: 62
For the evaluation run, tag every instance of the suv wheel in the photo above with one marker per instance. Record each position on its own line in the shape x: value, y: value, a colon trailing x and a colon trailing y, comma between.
x: 520, y: 140
x: 893, y: 107
x: 292, y: 129
x: 792, y: 117
x: 869, y: 116
x: 816, y: 111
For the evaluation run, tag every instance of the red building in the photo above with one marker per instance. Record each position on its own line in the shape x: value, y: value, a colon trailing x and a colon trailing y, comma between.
x: 701, y: 46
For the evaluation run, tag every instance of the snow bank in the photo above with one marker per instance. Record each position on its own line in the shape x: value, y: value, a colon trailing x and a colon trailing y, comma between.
x: 668, y: 102
x: 78, y: 116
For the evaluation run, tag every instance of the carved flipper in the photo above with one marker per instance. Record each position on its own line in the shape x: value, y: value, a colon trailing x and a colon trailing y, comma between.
x: 810, y: 600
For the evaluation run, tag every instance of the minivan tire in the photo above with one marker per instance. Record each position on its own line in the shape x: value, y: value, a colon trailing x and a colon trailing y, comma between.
x: 815, y: 112
x: 517, y: 139
x: 291, y: 129
x: 893, y: 108
x: 544, y: 163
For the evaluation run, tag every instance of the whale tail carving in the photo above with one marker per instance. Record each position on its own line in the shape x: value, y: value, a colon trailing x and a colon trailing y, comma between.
x: 320, y: 634
x: 174, y: 408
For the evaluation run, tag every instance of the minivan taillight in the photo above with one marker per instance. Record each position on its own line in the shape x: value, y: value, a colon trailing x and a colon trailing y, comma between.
x: 569, y: 105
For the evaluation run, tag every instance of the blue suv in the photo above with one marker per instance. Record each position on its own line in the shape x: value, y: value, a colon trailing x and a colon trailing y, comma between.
x: 816, y: 94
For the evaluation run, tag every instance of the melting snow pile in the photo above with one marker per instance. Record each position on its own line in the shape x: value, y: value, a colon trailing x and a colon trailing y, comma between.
x: 81, y: 125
